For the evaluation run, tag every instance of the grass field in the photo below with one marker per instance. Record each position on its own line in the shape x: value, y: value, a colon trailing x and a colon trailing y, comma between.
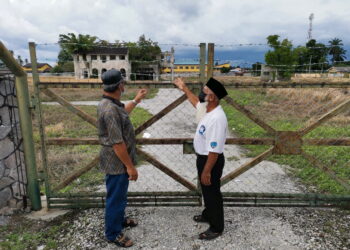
x: 291, y: 110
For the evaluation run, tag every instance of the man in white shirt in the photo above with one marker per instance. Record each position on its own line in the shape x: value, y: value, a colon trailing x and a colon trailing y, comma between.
x: 209, y: 142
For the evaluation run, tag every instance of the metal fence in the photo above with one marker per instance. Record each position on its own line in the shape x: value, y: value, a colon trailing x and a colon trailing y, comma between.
x: 278, y: 144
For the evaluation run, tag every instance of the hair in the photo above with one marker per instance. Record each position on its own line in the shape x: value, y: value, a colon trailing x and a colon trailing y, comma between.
x: 111, y: 88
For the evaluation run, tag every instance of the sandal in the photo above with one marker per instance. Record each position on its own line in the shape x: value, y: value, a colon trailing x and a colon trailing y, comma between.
x: 128, y: 222
x: 123, y: 241
x: 199, y: 218
x: 208, y: 235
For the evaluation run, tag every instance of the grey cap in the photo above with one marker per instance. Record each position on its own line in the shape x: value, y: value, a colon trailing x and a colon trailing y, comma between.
x: 111, y: 79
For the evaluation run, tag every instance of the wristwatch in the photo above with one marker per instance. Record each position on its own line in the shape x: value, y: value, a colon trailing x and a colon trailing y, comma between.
x: 135, y: 102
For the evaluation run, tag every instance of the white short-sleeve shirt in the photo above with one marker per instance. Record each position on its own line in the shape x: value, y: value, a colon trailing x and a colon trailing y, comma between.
x: 211, y: 132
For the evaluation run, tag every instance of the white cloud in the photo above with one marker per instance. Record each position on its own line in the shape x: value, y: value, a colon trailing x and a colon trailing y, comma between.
x: 170, y: 21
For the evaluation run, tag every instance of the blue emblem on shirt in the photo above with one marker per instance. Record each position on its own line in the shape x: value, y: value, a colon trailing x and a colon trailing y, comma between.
x: 201, y: 130
x: 213, y: 144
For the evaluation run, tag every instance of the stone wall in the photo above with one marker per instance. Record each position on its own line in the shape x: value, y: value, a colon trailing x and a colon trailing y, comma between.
x: 12, y: 167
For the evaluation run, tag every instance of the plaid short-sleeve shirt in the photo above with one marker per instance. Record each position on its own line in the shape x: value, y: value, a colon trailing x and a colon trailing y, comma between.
x: 114, y: 126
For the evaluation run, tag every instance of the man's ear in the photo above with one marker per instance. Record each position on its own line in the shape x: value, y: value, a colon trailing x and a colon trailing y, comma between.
x: 212, y: 97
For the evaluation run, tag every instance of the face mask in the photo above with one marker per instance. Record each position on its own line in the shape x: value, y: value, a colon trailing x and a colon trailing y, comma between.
x: 202, y: 96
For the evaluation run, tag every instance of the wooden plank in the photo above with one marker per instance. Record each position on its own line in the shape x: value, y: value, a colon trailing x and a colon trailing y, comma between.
x: 255, y: 84
x: 210, y: 67
x: 39, y: 116
x: 340, y: 108
x: 250, y: 115
x: 316, y: 163
x: 77, y: 174
x: 10, y: 61
x: 70, y: 107
x: 72, y: 141
x: 245, y: 167
x: 327, y: 142
x: 166, y: 170
x: 202, y: 56
x: 161, y: 141
x: 161, y: 114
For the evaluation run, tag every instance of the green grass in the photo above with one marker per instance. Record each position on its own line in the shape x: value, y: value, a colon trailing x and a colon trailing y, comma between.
x: 337, y: 158
x: 22, y: 238
x: 63, y: 160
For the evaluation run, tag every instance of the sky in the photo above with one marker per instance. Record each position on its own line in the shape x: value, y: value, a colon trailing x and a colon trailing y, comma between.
x: 182, y: 23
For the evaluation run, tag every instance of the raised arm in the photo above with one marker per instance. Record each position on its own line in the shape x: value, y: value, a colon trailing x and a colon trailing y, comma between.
x: 131, y: 105
x: 182, y: 86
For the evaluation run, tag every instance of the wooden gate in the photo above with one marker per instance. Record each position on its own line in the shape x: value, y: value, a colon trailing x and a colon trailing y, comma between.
x: 280, y: 142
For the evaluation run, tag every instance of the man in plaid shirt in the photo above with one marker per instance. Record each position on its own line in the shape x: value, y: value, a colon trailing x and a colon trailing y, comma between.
x: 118, y: 154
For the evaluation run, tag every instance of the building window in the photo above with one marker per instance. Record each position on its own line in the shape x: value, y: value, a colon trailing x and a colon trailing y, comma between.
x: 197, y: 67
x: 181, y: 67
x: 123, y: 72
x: 122, y: 57
x: 103, y: 71
x: 186, y: 67
x: 93, y: 57
x: 103, y: 58
x: 94, y: 73
x: 84, y: 57
x: 112, y: 57
x: 192, y: 67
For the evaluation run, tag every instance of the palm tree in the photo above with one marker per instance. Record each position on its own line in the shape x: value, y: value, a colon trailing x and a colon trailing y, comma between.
x: 336, y: 50
x: 77, y: 44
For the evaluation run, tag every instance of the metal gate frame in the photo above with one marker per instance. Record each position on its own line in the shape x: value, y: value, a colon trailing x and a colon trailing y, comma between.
x: 282, y: 143
x: 24, y: 110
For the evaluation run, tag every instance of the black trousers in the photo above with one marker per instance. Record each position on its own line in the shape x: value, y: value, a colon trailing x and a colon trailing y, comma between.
x: 213, y: 203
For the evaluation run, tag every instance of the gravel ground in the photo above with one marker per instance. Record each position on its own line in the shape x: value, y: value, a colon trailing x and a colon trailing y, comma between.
x: 245, y: 228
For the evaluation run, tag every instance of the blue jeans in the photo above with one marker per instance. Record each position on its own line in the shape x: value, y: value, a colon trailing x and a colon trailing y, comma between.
x: 116, y: 200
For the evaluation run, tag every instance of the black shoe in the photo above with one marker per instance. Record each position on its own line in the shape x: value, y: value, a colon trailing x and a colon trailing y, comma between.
x: 200, y: 219
x: 209, y: 235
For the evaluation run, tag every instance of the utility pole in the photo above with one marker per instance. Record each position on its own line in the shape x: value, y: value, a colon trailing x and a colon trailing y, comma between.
x: 311, y: 17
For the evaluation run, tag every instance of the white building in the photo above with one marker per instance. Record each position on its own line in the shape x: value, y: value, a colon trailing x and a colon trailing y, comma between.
x: 93, y: 63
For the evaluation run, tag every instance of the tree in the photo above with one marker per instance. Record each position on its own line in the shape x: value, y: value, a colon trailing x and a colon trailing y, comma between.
x: 312, y: 56
x: 336, y: 51
x: 225, y: 70
x: 57, y: 69
x: 64, y: 56
x: 77, y: 44
x: 144, y: 50
x: 71, y: 44
x: 282, y: 57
